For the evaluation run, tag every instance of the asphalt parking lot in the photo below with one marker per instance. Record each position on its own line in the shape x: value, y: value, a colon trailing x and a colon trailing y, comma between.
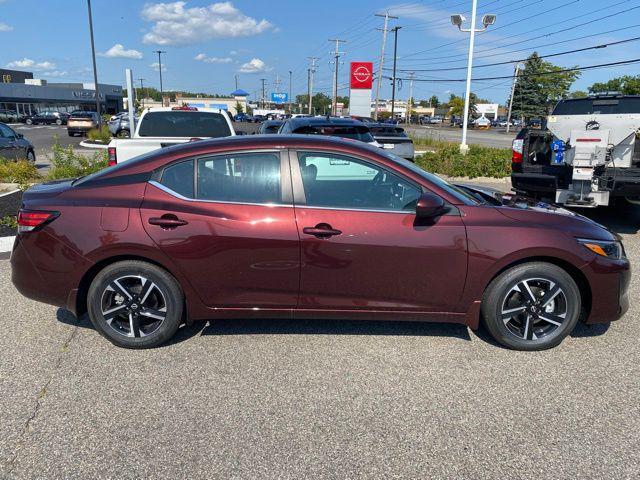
x: 318, y: 399
x: 496, y: 137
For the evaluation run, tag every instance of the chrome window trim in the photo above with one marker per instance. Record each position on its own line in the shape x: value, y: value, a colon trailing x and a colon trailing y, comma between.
x: 398, y: 212
x: 199, y: 200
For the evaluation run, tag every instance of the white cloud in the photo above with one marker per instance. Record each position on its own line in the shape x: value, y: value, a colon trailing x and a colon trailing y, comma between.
x: 156, y: 67
x: 31, y: 64
x: 254, y: 66
x: 5, y: 28
x: 118, y: 51
x: 56, y: 73
x: 176, y: 25
x: 201, y: 57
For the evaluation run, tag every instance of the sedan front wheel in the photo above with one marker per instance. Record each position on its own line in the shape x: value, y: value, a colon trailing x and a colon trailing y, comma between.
x: 532, y: 306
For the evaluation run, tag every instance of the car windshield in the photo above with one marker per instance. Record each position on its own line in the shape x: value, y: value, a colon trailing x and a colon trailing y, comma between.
x: 82, y: 115
x: 184, y: 124
x: 598, y: 106
x: 455, y: 191
x: 353, y: 132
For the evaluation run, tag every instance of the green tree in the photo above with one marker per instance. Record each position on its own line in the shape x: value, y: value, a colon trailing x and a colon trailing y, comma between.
x: 627, y: 84
x: 434, y: 101
x: 456, y: 105
x: 239, y: 108
x: 578, y: 94
x: 539, y: 86
x: 321, y: 102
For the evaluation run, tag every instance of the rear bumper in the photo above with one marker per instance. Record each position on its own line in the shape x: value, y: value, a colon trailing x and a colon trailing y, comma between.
x: 534, y: 182
x: 46, y: 270
x: 609, y: 283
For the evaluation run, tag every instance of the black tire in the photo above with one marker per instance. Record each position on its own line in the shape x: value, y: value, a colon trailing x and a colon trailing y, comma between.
x: 29, y: 121
x: 531, y: 328
x: 31, y: 156
x: 71, y: 134
x: 58, y: 122
x: 165, y: 292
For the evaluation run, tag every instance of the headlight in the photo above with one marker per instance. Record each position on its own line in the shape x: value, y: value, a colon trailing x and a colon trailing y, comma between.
x: 609, y: 249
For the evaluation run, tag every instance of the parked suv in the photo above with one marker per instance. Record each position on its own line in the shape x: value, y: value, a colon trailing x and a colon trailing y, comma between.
x: 330, y: 126
x: 79, y: 123
x: 47, y: 118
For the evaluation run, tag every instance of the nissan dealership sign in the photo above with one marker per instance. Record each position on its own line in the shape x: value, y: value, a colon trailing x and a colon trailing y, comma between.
x: 361, y: 82
x: 361, y: 75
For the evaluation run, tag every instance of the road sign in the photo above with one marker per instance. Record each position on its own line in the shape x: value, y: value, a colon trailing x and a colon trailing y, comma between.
x: 279, y: 97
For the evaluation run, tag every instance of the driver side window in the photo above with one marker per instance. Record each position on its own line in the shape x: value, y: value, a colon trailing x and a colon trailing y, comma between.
x: 337, y: 181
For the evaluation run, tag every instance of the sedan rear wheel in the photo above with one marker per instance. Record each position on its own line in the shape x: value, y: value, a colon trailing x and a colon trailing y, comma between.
x: 135, y: 304
x: 31, y: 156
x: 533, y: 306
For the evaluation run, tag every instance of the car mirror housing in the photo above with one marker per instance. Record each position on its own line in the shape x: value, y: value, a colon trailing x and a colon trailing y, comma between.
x: 429, y: 205
x: 20, y: 135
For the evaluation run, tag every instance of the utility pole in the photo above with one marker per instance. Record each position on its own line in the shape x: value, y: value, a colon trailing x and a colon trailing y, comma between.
x: 395, y: 57
x: 290, y: 92
x: 236, y: 77
x: 263, y: 80
x: 410, y: 99
x: 336, y: 56
x: 142, y: 91
x: 160, y: 52
x: 513, y: 90
x: 384, y: 41
x: 95, y: 68
x: 310, y: 73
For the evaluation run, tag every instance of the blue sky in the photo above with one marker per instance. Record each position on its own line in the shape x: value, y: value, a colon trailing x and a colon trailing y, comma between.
x: 208, y: 42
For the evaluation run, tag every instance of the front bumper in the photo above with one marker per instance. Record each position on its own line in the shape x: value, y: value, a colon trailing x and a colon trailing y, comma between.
x: 609, y: 283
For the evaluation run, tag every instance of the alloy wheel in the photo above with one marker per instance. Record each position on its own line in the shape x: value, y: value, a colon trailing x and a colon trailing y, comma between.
x: 534, y: 308
x: 133, y: 306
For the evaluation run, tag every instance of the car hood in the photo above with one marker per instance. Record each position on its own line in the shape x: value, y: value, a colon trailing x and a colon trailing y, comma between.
x: 526, y: 209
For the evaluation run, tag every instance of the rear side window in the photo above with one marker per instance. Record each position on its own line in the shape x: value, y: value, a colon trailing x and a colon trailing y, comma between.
x: 184, y: 124
x: 353, y: 132
x: 244, y: 178
x: 598, y: 106
x: 179, y: 178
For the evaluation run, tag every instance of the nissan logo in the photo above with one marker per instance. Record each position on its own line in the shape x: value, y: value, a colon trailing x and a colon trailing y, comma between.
x: 362, y: 74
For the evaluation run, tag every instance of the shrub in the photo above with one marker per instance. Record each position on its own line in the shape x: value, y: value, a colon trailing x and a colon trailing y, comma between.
x: 101, y: 134
x: 68, y: 164
x: 479, y: 161
x: 21, y: 172
x: 10, y: 221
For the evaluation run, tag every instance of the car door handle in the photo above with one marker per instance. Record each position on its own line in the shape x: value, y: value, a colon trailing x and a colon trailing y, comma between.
x: 167, y: 221
x: 321, y: 230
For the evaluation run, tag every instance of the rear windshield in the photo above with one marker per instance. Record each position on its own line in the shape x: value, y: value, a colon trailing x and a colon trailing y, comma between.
x: 387, y: 131
x: 598, y: 106
x: 353, y: 132
x: 80, y: 115
x: 184, y: 124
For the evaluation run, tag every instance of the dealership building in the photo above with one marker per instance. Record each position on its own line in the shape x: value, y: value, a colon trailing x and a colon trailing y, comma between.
x: 25, y: 95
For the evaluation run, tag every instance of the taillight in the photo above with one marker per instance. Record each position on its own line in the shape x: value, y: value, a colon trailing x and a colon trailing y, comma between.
x: 516, y: 156
x: 113, y: 158
x: 30, y: 219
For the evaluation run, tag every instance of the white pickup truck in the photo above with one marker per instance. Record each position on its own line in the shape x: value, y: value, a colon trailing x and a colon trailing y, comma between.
x: 167, y: 126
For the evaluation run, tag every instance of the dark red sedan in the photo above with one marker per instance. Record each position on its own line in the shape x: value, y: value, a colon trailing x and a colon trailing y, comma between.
x: 307, y: 227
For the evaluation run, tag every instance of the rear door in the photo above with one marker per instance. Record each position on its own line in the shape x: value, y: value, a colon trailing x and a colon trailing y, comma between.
x: 227, y: 221
x: 361, y: 246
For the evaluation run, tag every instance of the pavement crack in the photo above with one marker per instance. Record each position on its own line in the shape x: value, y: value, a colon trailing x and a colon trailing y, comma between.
x: 42, y: 393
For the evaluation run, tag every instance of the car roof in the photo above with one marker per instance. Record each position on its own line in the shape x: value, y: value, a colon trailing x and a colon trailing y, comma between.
x: 323, y: 121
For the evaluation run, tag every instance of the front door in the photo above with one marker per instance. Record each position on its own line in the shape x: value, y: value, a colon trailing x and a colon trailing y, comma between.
x: 361, y: 245
x: 8, y: 143
x: 228, y: 223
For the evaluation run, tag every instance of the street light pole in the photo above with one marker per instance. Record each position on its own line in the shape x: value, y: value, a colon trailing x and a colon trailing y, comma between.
x: 395, y: 58
x: 95, y: 68
x: 290, y: 92
x: 457, y: 20
x: 160, y: 52
x: 513, y: 90
x: 384, y: 42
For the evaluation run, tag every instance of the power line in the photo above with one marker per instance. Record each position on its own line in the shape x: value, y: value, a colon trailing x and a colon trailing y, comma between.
x: 567, y: 52
x: 564, y: 70
x: 537, y: 29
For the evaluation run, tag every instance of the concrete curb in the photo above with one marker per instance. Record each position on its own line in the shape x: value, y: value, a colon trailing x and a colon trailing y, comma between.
x: 6, y: 244
x: 93, y: 145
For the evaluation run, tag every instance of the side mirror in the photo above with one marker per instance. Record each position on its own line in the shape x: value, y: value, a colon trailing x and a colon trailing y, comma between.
x: 429, y: 206
x: 241, y: 133
x: 20, y: 135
